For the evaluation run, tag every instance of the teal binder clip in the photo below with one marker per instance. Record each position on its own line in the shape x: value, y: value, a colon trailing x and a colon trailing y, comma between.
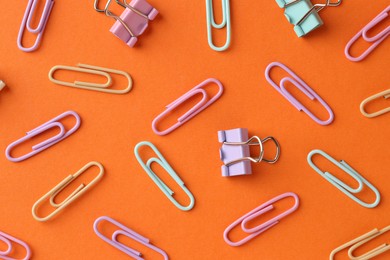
x: 165, y: 165
x: 212, y: 24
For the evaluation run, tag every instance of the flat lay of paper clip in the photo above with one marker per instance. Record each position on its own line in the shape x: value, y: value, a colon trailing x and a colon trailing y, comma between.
x: 2, y: 85
x: 374, y: 40
x: 165, y: 165
x: 212, y: 24
x: 199, y: 107
x: 385, y: 94
x: 47, y: 143
x: 347, y: 190
x: 125, y: 231
x: 8, y: 240
x: 235, y: 151
x: 260, y: 210
x: 132, y: 22
x: 90, y: 85
x: 301, y: 85
x: 26, y: 23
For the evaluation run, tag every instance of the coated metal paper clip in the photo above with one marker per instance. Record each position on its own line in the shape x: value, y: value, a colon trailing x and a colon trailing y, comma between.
x: 374, y: 40
x: 385, y: 94
x: 125, y: 231
x: 212, y: 24
x: 26, y: 23
x: 47, y: 143
x: 2, y: 85
x: 165, y: 165
x: 260, y: 210
x: 102, y: 87
x: 199, y: 107
x: 347, y: 190
x: 302, y: 86
x: 73, y: 196
x: 8, y: 240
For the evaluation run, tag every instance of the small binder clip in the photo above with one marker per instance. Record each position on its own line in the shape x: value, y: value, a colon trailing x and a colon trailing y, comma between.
x: 347, y: 190
x: 260, y: 210
x: 385, y: 94
x: 375, y: 40
x: 235, y: 151
x: 26, y: 23
x: 47, y: 143
x: 125, y: 231
x: 165, y: 165
x: 301, y: 85
x: 73, y: 196
x: 2, y: 85
x: 212, y: 24
x: 90, y: 85
x: 8, y: 240
x: 199, y: 107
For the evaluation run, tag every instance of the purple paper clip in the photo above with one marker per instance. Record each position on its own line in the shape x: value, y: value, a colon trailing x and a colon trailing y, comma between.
x: 47, y: 143
x: 199, y: 107
x: 235, y: 151
x: 301, y: 85
x: 125, y: 231
x: 7, y: 239
x: 26, y: 23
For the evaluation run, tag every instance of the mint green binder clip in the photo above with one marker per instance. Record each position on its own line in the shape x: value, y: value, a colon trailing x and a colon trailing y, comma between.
x: 212, y: 24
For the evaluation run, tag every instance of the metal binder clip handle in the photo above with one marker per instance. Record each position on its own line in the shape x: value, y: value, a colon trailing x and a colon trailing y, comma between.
x: 385, y: 94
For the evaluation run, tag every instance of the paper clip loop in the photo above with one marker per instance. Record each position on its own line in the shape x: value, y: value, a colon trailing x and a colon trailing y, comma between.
x: 125, y: 231
x: 260, y: 210
x: 26, y: 23
x: 92, y: 86
x: 212, y: 24
x: 2, y: 85
x: 7, y: 239
x: 199, y: 107
x: 385, y: 94
x: 375, y: 40
x: 165, y: 165
x: 347, y: 190
x: 73, y: 196
x: 302, y: 86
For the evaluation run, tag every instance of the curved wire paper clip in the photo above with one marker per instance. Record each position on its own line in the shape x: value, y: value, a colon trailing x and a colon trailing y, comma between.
x: 125, y: 231
x: 385, y: 94
x: 302, y: 86
x: 88, y: 85
x: 26, y: 23
x: 375, y: 40
x: 260, y: 210
x: 73, y: 196
x: 212, y: 24
x: 7, y: 239
x: 165, y: 165
x: 2, y: 85
x: 199, y: 107
x: 47, y: 143
x: 347, y: 190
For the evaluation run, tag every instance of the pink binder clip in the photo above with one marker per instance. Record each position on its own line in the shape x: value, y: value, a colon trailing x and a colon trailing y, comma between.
x: 47, y: 143
x: 8, y: 240
x: 301, y: 85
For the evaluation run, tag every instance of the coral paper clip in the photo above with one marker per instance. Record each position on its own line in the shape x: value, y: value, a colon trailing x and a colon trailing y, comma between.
x: 26, y: 23
x: 212, y: 24
x: 47, y: 143
x: 199, y: 107
x: 347, y: 190
x: 92, y: 86
x: 165, y: 165
x: 125, y: 231
x: 302, y: 86
x: 8, y: 240
x: 374, y: 40
x: 73, y: 196
x: 385, y: 94
x: 260, y: 210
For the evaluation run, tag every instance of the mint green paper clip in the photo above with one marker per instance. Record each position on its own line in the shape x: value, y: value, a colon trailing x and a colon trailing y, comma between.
x: 347, y: 190
x: 212, y: 24
x: 165, y: 165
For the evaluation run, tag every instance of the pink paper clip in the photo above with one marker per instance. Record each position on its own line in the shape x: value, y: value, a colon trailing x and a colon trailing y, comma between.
x: 375, y: 40
x: 301, y: 85
x: 26, y: 23
x: 7, y: 239
x: 47, y: 143
x: 260, y: 210
x: 199, y: 107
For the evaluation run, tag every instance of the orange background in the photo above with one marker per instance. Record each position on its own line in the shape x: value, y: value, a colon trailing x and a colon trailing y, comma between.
x: 169, y: 59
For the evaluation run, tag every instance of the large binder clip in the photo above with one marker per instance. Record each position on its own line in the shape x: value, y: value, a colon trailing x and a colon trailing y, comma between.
x: 9, y: 240
x: 384, y: 94
x: 235, y: 151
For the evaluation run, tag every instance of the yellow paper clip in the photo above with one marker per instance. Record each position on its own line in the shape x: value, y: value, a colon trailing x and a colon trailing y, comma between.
x: 385, y: 94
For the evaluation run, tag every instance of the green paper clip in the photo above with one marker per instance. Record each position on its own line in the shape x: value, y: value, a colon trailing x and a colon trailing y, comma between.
x: 212, y: 24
